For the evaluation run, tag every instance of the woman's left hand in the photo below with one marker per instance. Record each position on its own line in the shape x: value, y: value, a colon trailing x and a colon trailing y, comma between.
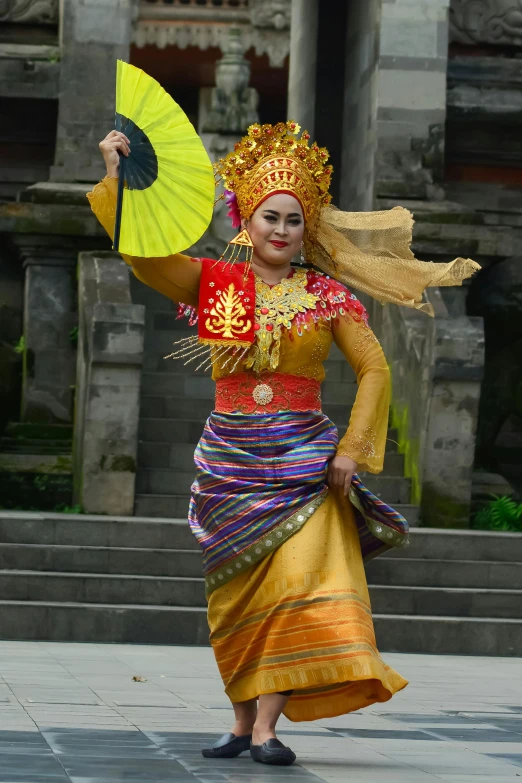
x: 340, y: 473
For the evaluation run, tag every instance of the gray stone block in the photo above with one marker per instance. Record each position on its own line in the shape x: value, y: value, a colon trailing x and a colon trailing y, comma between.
x: 98, y: 623
x: 172, y: 532
x: 162, y: 505
x: 448, y: 635
x: 101, y: 560
x: 445, y: 573
x: 102, y: 588
x: 171, y: 430
x: 446, y: 601
x: 469, y: 545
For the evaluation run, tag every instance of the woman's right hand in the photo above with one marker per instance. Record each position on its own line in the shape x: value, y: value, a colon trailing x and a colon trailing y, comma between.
x: 114, y: 143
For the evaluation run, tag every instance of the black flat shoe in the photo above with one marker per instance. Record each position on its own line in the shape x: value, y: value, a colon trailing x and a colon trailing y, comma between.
x: 227, y: 747
x: 272, y: 752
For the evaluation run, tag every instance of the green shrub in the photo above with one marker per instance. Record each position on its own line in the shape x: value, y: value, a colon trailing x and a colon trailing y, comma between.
x: 63, y: 508
x: 20, y: 345
x: 499, y: 514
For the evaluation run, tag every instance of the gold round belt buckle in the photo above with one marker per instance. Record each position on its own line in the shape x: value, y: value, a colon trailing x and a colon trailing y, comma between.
x: 263, y: 394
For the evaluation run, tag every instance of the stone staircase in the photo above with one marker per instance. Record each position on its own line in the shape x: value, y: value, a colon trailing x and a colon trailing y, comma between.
x: 138, y: 579
x: 176, y: 401
x: 68, y: 577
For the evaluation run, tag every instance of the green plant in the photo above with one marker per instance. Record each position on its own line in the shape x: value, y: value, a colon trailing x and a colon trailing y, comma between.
x: 41, y: 481
x: 500, y: 513
x: 63, y: 508
x: 20, y: 345
x: 73, y: 335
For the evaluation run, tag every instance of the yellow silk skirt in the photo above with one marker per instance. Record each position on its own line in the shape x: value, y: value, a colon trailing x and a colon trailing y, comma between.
x: 301, y: 619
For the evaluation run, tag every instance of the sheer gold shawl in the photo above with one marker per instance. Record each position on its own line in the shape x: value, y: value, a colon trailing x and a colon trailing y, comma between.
x: 371, y: 251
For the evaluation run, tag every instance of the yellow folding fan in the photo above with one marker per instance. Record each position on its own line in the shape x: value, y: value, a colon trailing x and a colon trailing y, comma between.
x: 166, y: 184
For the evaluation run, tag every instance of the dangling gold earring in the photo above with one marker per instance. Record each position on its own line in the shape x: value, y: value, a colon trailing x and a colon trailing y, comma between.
x: 232, y: 252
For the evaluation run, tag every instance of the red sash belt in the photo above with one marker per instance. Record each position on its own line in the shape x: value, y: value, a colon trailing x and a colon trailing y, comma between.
x: 268, y: 392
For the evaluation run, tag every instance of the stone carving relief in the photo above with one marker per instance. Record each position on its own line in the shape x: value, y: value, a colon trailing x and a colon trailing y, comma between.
x: 271, y: 13
x: 486, y: 21
x: 29, y: 11
x: 233, y: 103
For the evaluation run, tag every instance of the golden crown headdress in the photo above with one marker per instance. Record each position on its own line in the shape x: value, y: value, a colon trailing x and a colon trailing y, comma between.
x: 272, y: 159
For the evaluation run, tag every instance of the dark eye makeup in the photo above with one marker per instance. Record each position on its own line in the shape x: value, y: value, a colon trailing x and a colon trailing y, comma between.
x: 271, y: 217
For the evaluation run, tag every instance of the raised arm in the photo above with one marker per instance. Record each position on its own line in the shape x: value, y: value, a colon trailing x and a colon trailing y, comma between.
x: 175, y: 276
x: 365, y: 439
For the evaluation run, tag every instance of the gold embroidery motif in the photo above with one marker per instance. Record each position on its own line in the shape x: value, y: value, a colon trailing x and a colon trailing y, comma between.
x: 365, y: 443
x: 363, y: 338
x: 276, y: 308
x: 226, y: 317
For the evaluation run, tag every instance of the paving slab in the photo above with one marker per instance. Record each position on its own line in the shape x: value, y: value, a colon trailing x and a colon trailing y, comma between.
x: 72, y: 713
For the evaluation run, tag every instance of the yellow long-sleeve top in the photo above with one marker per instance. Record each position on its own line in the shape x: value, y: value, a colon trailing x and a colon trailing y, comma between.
x: 178, y: 276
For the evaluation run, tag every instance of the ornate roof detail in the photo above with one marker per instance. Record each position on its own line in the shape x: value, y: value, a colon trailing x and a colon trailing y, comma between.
x: 262, y: 24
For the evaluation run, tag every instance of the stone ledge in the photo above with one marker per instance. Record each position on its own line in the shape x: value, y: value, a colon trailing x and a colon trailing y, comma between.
x: 27, y: 218
x: 36, y: 463
x: 67, y: 193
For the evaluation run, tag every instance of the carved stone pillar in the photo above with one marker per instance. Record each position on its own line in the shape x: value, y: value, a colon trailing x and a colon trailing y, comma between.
x: 359, y: 119
x: 94, y: 33
x: 303, y: 61
x: 412, y: 98
x: 49, y: 317
x: 233, y: 104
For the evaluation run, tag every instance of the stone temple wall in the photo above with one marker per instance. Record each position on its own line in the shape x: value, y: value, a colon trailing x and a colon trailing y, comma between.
x: 412, y: 97
x: 95, y: 33
x: 360, y: 105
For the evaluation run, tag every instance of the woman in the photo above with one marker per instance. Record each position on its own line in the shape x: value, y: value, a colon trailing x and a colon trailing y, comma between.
x: 277, y: 507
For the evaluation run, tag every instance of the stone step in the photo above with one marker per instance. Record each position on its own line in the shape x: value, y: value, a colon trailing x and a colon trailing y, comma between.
x: 16, y: 429
x: 193, y: 386
x: 28, y: 585
x: 155, y: 454
x: 407, y: 571
x: 453, y: 576
x: 34, y: 446
x: 448, y: 635
x: 173, y: 577
x: 101, y: 559
x: 102, y: 588
x: 429, y: 546
x: 468, y: 545
x: 51, y: 464
x: 158, y: 505
x: 21, y: 527
x: 172, y: 431
x: 121, y: 623
x: 160, y: 481
x: 447, y: 601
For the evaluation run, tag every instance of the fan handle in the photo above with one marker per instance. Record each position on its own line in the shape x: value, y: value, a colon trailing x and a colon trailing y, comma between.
x: 119, y: 203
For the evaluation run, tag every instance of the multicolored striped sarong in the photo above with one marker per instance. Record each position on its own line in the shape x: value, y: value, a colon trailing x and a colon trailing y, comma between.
x: 259, y: 478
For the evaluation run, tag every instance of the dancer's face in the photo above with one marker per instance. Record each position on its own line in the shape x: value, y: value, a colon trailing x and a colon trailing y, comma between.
x: 276, y: 229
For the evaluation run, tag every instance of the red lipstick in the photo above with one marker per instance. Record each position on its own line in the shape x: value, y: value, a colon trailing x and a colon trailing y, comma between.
x: 277, y: 243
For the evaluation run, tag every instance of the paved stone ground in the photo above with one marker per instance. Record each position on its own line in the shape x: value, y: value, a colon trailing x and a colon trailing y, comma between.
x: 72, y: 713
